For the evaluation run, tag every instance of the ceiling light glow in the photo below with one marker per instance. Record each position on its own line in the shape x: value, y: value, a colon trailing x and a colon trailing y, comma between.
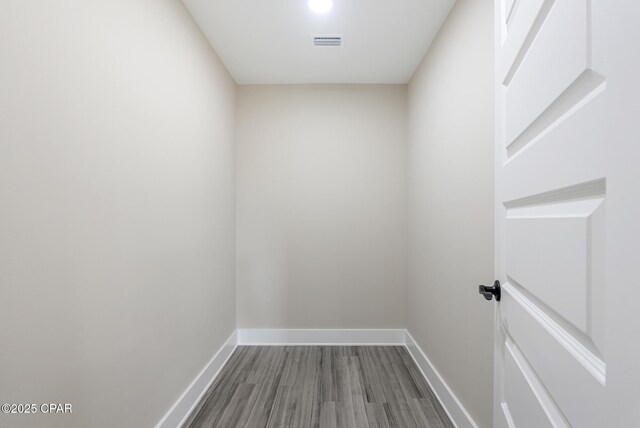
x: 320, y: 6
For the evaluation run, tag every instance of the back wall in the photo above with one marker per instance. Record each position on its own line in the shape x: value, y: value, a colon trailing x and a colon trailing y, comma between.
x: 321, y: 206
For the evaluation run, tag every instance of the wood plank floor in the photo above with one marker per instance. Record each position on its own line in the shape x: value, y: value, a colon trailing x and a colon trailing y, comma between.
x: 319, y: 386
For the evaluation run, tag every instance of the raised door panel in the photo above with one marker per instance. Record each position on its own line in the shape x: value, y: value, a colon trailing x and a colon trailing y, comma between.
x: 553, y: 253
x: 525, y: 407
x: 552, y: 58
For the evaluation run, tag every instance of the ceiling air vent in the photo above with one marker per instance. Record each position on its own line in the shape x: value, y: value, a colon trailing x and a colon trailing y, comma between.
x: 327, y: 41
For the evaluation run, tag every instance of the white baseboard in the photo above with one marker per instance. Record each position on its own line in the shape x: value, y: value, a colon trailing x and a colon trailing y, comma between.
x: 182, y: 408
x: 456, y: 411
x: 272, y: 337
x: 187, y: 402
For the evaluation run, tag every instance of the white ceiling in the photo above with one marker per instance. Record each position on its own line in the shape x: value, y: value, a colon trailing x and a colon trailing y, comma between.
x: 270, y: 41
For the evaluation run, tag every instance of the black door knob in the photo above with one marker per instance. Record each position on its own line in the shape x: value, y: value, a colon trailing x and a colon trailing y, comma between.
x: 489, y: 292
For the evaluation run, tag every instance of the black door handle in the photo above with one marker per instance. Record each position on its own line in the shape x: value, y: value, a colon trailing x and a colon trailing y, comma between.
x: 489, y: 292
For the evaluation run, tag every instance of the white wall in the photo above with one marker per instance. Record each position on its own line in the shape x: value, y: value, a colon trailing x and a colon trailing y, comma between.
x: 451, y: 204
x: 321, y: 206
x: 117, y: 208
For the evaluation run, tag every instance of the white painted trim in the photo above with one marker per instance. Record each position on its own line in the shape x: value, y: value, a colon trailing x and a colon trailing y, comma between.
x: 182, y: 408
x: 454, y: 408
x: 189, y: 399
x: 395, y: 337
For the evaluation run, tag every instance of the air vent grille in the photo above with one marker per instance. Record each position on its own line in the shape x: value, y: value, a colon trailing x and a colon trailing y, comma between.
x: 327, y: 41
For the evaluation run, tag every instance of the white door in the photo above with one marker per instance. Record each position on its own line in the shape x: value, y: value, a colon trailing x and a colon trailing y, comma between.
x: 568, y: 213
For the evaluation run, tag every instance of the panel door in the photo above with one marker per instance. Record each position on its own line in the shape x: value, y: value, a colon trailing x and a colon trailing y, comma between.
x: 567, y: 327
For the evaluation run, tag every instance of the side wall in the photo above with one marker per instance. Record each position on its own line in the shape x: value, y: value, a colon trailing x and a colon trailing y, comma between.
x: 451, y: 204
x: 117, y: 256
x: 321, y: 207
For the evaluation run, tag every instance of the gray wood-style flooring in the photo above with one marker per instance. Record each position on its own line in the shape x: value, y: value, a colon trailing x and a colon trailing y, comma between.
x: 319, y: 386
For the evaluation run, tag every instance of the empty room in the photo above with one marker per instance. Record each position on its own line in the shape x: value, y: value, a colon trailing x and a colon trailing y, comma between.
x: 319, y: 213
